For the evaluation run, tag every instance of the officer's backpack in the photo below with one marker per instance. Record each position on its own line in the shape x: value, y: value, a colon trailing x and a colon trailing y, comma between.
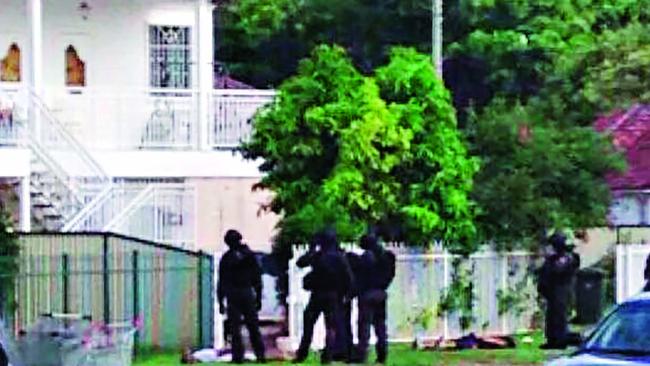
x: 386, y: 271
x: 325, y: 275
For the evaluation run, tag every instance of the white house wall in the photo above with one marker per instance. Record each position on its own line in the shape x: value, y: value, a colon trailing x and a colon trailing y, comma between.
x: 14, y: 29
x: 230, y: 203
x: 112, y: 41
x: 221, y: 164
x: 14, y: 162
x: 113, y: 44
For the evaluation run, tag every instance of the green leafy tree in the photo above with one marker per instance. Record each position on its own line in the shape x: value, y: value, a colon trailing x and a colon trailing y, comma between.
x: 9, y: 251
x: 493, y: 47
x: 537, y: 175
x: 559, y: 63
x: 617, y: 73
x: 351, y: 150
x: 250, y: 31
x: 438, y: 175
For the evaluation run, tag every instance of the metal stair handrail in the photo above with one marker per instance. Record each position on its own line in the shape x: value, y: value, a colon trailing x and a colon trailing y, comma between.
x: 135, y: 203
x: 56, y: 169
x: 78, y: 148
x: 34, y: 109
x: 104, y: 197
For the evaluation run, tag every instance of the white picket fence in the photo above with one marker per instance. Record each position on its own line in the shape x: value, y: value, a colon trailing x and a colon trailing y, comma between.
x: 421, y: 277
x: 630, y: 265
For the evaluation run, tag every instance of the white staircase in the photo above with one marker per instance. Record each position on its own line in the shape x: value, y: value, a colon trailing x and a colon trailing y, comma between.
x: 65, y: 177
x: 72, y: 192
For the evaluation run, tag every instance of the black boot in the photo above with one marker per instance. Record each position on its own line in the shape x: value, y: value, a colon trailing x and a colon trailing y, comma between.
x: 301, y: 356
x: 381, y: 356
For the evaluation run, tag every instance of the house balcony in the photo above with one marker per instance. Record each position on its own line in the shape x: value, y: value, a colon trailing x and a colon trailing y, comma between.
x: 153, y: 119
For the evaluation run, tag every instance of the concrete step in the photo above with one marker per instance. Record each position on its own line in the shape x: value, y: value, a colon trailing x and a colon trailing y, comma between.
x: 42, y: 205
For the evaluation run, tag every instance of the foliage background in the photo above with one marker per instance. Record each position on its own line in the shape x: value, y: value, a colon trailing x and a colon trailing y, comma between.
x: 546, y: 67
x: 9, y: 251
x: 348, y: 150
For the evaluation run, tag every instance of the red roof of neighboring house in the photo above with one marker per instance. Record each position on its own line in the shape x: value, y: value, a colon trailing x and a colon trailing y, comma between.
x: 631, y: 133
x: 226, y: 82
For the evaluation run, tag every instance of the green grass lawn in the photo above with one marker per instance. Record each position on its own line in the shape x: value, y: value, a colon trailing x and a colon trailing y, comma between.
x: 403, y: 355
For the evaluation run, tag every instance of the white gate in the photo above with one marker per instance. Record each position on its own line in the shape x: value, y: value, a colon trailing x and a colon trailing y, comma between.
x: 630, y: 265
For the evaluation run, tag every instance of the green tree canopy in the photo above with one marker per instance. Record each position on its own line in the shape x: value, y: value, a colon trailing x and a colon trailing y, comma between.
x: 550, y: 65
x: 536, y: 175
x: 494, y: 48
x: 9, y: 250
x: 616, y: 73
x: 339, y: 147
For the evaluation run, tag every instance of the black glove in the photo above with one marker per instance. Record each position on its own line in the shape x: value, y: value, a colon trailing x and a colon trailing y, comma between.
x: 222, y: 309
x: 258, y: 305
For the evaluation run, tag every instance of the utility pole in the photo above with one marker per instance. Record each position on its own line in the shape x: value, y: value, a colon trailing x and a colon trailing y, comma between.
x: 436, y: 34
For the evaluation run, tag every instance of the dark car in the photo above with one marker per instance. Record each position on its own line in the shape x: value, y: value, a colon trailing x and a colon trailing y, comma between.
x: 622, y: 338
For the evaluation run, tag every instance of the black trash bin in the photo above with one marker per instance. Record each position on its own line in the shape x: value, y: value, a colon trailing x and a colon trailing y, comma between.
x: 589, y: 296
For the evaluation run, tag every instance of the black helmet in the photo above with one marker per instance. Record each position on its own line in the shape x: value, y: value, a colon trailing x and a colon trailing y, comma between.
x: 558, y: 241
x: 369, y: 241
x: 328, y: 238
x: 232, y: 238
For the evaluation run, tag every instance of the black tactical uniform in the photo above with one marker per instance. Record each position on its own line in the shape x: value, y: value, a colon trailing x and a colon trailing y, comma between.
x: 344, y: 338
x: 555, y: 284
x: 646, y: 275
x: 329, y: 279
x: 376, y: 270
x: 240, y: 284
x: 4, y: 361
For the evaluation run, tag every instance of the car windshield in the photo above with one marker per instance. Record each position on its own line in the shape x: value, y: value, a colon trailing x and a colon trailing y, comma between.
x: 625, y: 331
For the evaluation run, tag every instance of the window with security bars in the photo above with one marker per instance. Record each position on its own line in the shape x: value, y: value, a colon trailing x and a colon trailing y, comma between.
x: 170, y: 57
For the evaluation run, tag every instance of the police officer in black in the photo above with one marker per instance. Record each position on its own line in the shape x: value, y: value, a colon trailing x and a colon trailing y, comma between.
x: 240, y: 284
x: 555, y: 284
x: 646, y: 275
x: 328, y: 281
x: 376, y: 271
x: 344, y: 345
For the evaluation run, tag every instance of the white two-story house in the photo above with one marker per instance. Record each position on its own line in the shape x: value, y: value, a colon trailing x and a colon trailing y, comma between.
x: 110, y: 121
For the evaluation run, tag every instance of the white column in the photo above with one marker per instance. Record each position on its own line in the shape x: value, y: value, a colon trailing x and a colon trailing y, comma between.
x: 436, y: 34
x: 25, y: 205
x: 35, y: 9
x: 205, y: 40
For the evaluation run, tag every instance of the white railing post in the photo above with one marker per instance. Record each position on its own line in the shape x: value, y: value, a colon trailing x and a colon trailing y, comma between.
x: 231, y: 115
x: 628, y: 271
x: 445, y: 286
x: 205, y: 68
x: 25, y: 205
x: 156, y: 214
x: 291, y: 301
x: 36, y: 60
x: 620, y: 273
x: 504, y: 288
x: 219, y: 341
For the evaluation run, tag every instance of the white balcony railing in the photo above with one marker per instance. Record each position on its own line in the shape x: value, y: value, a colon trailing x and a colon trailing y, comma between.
x: 151, y: 119
x: 12, y: 127
x: 143, y: 120
x: 11, y: 131
x: 231, y: 115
